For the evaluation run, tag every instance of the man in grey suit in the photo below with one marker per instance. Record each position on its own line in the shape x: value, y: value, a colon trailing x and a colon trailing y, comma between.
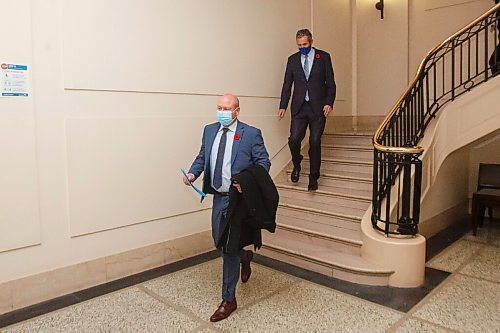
x: 228, y: 147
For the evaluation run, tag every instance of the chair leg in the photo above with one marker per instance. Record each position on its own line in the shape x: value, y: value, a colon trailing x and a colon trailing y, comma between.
x: 474, y: 215
x: 490, y: 212
x: 481, y: 215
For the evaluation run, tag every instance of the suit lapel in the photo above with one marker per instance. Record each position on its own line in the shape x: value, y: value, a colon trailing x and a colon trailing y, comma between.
x: 238, y: 136
x: 314, y: 65
x: 209, y: 142
x: 298, y: 63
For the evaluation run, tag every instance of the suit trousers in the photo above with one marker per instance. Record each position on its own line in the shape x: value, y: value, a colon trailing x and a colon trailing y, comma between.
x: 316, y: 122
x: 230, y: 262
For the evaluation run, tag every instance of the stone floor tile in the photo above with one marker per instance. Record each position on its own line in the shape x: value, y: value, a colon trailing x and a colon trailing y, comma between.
x: 306, y: 307
x: 129, y: 310
x: 494, y: 236
x: 413, y: 325
x: 481, y: 236
x: 465, y: 304
x: 495, y: 242
x: 451, y: 258
x: 199, y: 288
x: 206, y: 330
x: 485, y: 265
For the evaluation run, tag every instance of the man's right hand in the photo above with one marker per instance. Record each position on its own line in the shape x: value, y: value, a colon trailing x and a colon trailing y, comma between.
x: 281, y: 113
x: 191, y: 179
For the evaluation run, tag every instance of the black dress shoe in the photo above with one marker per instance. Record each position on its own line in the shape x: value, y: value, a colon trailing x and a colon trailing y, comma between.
x: 313, y: 185
x: 295, y: 175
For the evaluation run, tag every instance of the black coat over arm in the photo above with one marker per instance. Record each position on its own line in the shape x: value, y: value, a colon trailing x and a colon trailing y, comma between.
x: 250, y: 211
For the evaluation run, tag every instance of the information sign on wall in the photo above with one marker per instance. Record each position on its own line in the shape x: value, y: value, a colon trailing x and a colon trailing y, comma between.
x: 14, y: 80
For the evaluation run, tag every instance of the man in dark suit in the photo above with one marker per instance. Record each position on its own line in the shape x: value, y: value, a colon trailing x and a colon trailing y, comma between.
x: 228, y: 147
x: 310, y: 71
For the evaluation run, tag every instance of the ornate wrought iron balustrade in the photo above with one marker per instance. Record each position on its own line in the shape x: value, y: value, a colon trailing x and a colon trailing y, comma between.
x: 453, y: 68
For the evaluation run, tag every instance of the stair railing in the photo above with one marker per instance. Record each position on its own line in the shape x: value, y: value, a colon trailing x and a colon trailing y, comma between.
x: 451, y: 69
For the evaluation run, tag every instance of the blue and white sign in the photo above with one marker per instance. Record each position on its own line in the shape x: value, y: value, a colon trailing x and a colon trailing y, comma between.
x: 14, y: 79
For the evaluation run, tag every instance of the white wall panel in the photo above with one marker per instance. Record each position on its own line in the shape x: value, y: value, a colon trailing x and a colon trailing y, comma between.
x: 200, y: 46
x: 19, y: 200
x: 126, y: 171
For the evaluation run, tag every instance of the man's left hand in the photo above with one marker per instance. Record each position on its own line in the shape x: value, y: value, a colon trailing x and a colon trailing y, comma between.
x: 238, y: 187
x: 327, y: 109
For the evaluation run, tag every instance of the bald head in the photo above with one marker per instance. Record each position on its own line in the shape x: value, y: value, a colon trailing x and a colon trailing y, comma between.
x: 229, y: 99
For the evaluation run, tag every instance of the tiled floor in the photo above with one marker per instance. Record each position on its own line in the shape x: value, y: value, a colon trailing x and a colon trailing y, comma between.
x: 468, y: 300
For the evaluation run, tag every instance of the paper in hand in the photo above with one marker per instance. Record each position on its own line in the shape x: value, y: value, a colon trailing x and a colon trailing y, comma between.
x: 200, y: 192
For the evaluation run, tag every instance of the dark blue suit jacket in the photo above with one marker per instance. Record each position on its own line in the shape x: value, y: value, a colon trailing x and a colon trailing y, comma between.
x: 321, y: 83
x: 248, y: 150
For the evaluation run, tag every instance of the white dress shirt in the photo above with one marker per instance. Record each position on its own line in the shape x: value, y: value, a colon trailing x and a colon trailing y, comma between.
x: 226, y: 164
x: 310, y: 58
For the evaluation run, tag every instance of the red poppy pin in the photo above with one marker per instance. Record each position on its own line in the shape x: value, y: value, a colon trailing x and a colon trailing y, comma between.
x: 317, y: 56
x: 236, y: 136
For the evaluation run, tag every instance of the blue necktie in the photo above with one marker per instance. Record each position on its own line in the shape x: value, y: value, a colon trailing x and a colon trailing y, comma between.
x: 220, y: 159
x: 306, y: 72
x: 306, y: 66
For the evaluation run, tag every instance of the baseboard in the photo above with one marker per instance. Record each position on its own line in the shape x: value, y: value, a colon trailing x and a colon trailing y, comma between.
x: 441, y: 221
x: 23, y: 292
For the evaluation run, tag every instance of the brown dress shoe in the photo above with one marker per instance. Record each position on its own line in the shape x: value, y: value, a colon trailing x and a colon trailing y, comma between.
x: 225, y: 309
x: 246, y: 270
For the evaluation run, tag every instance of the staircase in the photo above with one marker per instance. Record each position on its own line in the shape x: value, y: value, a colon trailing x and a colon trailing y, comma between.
x: 320, y: 231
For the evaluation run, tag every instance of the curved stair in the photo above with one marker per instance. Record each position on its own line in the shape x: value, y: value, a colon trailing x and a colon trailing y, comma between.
x: 320, y: 231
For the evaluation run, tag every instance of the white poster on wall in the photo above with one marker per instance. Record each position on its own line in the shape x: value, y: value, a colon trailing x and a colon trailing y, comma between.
x: 14, y: 80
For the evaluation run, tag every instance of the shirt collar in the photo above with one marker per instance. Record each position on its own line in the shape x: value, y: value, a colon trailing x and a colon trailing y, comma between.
x: 232, y: 128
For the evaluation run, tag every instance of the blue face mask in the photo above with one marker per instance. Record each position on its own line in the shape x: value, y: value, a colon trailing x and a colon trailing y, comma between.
x: 224, y: 117
x: 305, y: 50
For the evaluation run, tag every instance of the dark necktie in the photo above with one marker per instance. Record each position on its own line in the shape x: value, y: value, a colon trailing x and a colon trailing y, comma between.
x: 220, y: 159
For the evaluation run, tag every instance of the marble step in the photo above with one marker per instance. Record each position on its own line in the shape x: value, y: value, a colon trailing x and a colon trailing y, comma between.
x: 344, y: 227
x: 332, y: 263
x: 304, y: 182
x: 323, y: 200
x: 302, y: 236
x: 362, y: 169
x: 346, y: 153
x: 331, y: 184
x: 348, y: 140
x: 310, y: 216
x: 338, y: 181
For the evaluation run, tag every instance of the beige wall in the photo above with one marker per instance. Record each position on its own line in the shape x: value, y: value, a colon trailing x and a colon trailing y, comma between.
x: 432, y: 21
x: 119, y: 98
x: 19, y: 188
x: 332, y: 29
x: 389, y: 51
x: 382, y: 55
